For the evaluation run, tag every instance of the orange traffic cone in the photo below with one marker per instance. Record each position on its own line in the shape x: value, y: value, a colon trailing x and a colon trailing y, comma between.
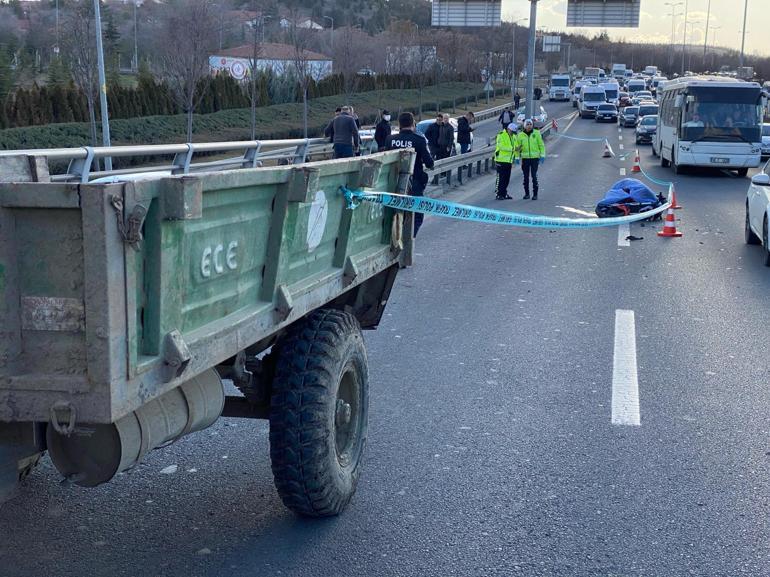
x: 636, y: 167
x: 669, y: 226
x: 674, y: 203
x: 554, y: 126
x: 607, y: 150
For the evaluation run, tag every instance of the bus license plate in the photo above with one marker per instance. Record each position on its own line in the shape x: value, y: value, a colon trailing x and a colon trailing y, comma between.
x: 720, y: 160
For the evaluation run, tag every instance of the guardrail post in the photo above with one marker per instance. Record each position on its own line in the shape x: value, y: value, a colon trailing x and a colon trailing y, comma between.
x: 251, y: 156
x: 182, y: 161
x: 301, y: 153
x: 81, y: 167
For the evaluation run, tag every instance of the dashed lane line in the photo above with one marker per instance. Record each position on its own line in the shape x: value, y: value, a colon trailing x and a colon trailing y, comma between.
x: 623, y: 171
x: 624, y: 230
x: 625, y: 381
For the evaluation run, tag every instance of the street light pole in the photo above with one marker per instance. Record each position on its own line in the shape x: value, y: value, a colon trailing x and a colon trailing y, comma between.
x: 102, y: 83
x: 136, y: 43
x: 684, y: 35
x: 706, y: 34
x: 530, y: 102
x: 743, y: 36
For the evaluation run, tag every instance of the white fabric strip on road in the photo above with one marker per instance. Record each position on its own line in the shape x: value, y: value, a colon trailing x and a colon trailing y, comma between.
x: 625, y: 383
x: 624, y: 230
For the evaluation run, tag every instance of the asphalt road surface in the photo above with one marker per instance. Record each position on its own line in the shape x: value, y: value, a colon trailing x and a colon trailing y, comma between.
x: 492, y: 448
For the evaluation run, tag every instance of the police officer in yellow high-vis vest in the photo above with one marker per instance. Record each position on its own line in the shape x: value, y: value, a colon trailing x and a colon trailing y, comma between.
x: 504, y: 154
x: 530, y: 150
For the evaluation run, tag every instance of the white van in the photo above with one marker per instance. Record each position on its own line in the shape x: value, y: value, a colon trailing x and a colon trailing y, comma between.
x: 590, y: 99
x: 635, y: 85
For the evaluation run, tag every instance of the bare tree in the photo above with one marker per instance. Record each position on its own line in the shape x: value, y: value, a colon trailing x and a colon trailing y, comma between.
x: 187, y: 36
x: 352, y: 53
x: 80, y: 48
x: 252, y: 86
x: 299, y: 39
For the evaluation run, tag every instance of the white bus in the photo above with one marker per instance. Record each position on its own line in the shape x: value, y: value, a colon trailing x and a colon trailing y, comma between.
x: 709, y: 121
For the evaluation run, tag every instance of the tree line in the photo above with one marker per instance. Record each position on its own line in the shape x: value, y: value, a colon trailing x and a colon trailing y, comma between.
x: 62, y: 101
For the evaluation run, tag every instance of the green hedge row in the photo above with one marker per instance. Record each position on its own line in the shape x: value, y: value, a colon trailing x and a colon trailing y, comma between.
x: 273, y: 122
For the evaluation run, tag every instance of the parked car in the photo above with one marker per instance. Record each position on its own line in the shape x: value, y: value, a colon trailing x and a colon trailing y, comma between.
x: 766, y: 139
x: 647, y: 109
x: 607, y: 113
x: 758, y: 211
x: 646, y: 129
x: 629, y: 116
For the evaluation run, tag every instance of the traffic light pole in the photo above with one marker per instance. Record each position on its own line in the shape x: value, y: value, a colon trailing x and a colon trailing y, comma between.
x: 102, y: 84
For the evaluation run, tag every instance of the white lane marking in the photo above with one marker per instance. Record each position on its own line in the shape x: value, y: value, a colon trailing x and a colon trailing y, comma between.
x: 577, y: 211
x: 621, y: 147
x: 623, y: 231
x: 622, y: 171
x: 620, y: 137
x: 625, y: 383
x: 571, y: 122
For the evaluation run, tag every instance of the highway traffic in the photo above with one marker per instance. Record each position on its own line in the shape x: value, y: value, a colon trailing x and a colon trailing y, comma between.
x: 543, y: 402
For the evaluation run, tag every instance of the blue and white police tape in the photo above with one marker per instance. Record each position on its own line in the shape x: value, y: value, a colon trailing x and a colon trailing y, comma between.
x: 654, y: 180
x: 466, y: 212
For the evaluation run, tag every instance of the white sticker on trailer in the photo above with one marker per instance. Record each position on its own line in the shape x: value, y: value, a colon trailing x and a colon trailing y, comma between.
x: 316, y: 225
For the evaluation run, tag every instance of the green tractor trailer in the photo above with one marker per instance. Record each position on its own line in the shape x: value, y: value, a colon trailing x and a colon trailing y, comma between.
x: 124, y: 305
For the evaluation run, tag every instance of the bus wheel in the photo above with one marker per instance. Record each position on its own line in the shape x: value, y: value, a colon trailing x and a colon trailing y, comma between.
x: 742, y: 172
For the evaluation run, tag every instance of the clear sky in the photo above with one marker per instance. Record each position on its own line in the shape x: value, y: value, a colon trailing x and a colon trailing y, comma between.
x: 655, y: 24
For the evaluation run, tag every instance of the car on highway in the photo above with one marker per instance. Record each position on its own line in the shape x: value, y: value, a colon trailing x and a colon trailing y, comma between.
x: 647, y: 109
x: 766, y: 139
x: 646, y: 129
x: 624, y: 99
x: 628, y: 116
x: 758, y: 211
x: 644, y: 95
x: 607, y: 113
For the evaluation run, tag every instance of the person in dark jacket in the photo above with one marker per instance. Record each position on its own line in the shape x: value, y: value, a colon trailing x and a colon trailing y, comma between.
x: 382, y: 131
x: 344, y: 134
x: 464, y: 130
x: 516, y: 101
x: 538, y: 93
x: 408, y: 138
x: 506, y: 117
x: 432, y: 133
x: 446, y: 139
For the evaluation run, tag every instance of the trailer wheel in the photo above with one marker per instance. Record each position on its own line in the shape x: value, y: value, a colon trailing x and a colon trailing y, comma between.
x: 319, y: 413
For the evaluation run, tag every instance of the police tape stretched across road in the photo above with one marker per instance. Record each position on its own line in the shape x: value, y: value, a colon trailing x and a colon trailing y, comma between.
x: 448, y: 209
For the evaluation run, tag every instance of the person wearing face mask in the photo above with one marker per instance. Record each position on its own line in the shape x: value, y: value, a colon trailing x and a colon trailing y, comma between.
x: 382, y: 131
x: 529, y: 149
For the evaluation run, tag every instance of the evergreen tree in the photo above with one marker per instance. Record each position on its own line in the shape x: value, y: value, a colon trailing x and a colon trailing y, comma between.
x: 58, y: 72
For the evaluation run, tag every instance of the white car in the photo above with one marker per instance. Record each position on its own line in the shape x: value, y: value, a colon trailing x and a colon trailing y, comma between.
x: 766, y: 139
x: 758, y: 211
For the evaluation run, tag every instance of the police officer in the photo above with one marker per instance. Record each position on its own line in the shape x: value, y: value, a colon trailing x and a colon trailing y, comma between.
x: 407, y: 138
x: 530, y: 151
x: 504, y: 155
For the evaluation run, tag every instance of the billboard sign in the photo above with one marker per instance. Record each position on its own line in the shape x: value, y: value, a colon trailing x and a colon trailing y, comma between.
x: 551, y: 43
x: 466, y: 13
x: 603, y: 13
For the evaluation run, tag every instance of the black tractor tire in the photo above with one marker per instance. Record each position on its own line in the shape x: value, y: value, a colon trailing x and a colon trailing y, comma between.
x: 319, y: 413
x: 749, y: 235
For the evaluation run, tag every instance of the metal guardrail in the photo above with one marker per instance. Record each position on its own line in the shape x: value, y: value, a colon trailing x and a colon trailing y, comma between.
x: 252, y: 154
